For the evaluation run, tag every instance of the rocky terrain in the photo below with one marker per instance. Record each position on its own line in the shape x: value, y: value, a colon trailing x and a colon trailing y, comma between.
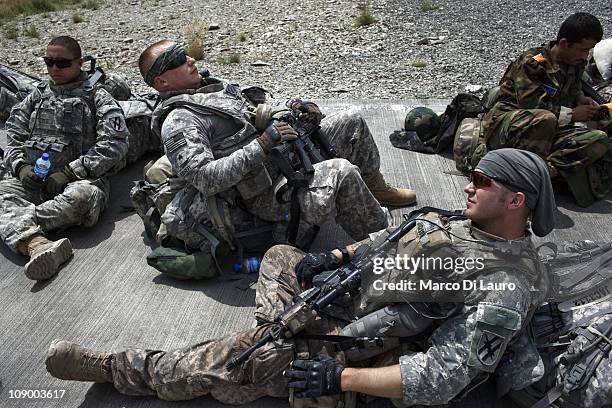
x: 313, y: 48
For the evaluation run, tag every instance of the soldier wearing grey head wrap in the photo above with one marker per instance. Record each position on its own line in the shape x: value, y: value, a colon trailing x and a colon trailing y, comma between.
x: 465, y: 346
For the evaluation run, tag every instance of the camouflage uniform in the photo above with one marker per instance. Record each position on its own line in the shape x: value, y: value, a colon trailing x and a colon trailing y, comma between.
x: 432, y: 377
x: 597, y: 392
x: 533, y: 112
x: 211, y: 142
x: 80, y: 128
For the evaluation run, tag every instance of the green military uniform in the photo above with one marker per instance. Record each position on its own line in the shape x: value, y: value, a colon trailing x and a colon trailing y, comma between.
x: 533, y: 112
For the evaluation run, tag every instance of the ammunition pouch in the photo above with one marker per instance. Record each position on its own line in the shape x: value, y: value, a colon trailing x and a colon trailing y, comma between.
x: 61, y: 150
x: 389, y: 323
x: 254, y: 183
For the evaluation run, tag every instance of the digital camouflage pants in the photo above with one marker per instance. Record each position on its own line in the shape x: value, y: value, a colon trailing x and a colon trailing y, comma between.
x: 581, y: 156
x: 200, y: 369
x: 25, y: 212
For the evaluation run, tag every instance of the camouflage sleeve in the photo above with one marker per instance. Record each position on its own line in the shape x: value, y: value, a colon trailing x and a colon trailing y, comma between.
x: 530, y: 90
x: 187, y: 141
x: 462, y: 347
x: 18, y: 132
x: 111, y: 141
x: 533, y: 88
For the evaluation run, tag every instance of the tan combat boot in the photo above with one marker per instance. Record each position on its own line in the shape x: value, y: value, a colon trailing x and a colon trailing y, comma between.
x: 69, y: 361
x: 388, y: 195
x: 45, y: 256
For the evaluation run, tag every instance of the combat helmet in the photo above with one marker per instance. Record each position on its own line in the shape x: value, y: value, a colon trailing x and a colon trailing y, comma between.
x: 424, y: 121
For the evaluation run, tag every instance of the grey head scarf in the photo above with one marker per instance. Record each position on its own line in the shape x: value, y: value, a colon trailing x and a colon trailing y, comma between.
x: 526, y: 172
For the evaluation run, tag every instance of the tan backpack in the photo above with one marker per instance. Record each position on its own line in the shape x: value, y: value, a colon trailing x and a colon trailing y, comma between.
x: 469, y: 146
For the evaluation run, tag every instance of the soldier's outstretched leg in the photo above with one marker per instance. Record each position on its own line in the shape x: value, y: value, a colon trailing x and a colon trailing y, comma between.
x: 80, y: 204
x: 181, y: 374
x: 353, y: 141
x: 201, y: 369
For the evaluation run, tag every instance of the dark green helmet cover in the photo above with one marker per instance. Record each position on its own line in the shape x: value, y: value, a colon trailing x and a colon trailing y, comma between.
x: 424, y: 122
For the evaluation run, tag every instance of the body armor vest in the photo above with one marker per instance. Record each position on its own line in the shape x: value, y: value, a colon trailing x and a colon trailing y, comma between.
x: 226, y: 103
x: 443, y: 238
x: 62, y: 124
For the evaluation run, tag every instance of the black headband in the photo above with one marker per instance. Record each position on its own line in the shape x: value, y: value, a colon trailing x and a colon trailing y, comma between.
x: 171, y: 58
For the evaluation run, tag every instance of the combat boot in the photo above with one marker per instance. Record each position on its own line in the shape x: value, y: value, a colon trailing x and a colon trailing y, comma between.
x: 69, y: 361
x: 386, y: 194
x: 45, y: 256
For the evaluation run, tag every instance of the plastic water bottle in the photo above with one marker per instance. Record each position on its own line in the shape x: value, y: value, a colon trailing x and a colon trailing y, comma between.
x: 249, y: 265
x: 43, y: 164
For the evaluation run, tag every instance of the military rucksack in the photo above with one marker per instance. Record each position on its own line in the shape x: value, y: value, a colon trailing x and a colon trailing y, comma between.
x: 573, y: 329
x: 468, y: 146
x: 14, y: 87
x: 138, y: 111
x: 462, y: 106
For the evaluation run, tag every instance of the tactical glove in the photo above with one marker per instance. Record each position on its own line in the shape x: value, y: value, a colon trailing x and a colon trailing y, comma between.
x: 28, y: 178
x: 57, y: 182
x: 306, y: 111
x: 314, y: 378
x: 313, y: 264
x: 275, y: 134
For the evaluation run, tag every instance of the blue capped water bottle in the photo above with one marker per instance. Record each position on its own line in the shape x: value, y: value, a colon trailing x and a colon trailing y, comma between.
x: 249, y: 265
x: 42, y: 166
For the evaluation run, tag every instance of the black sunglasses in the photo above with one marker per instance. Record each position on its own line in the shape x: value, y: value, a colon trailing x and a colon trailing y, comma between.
x: 58, y: 62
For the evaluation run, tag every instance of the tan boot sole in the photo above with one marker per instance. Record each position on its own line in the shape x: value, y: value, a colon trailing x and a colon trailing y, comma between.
x: 46, y: 264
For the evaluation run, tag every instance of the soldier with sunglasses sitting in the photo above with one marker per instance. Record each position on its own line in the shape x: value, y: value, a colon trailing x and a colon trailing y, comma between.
x: 82, y: 131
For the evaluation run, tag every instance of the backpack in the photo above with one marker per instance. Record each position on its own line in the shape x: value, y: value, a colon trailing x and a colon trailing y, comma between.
x: 468, y: 148
x: 462, y: 106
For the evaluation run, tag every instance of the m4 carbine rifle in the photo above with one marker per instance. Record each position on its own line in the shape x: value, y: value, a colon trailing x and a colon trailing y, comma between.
x: 295, y: 160
x: 346, y: 279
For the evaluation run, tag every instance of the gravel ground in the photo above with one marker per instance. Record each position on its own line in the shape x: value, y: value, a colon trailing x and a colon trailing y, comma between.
x: 312, y: 48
